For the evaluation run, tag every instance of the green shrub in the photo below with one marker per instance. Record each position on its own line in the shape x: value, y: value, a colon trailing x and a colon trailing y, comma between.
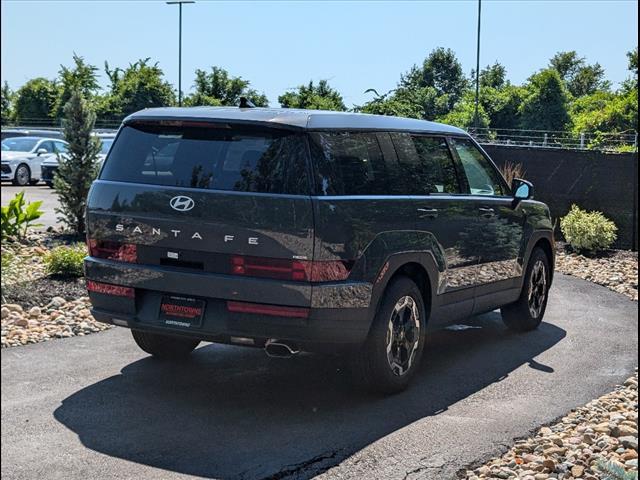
x: 18, y: 215
x: 66, y: 260
x: 588, y: 231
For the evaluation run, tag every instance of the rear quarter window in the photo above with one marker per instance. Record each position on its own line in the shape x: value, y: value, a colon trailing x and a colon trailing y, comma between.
x: 245, y: 160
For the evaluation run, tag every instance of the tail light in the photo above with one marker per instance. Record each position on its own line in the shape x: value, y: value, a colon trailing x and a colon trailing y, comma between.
x: 124, y: 252
x: 109, y: 289
x: 296, y: 270
x: 263, y: 309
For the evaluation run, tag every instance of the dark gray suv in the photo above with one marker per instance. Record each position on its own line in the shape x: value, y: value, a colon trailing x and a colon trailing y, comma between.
x: 296, y: 230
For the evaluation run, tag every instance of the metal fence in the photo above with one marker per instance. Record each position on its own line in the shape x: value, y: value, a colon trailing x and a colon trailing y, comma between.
x: 610, y: 142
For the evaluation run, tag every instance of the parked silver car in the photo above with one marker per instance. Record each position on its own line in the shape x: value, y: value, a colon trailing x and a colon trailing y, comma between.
x: 22, y: 157
x: 50, y: 165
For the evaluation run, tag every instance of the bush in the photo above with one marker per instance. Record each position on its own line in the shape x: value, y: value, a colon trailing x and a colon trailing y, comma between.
x: 18, y: 215
x: 66, y: 260
x: 588, y: 231
x: 615, y: 471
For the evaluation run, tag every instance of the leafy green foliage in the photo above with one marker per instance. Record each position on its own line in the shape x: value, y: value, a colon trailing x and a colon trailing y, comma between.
x: 442, y: 72
x: 579, y: 77
x: 66, y: 260
x: 493, y: 76
x: 314, y: 97
x: 34, y: 100
x: 219, y: 88
x: 545, y: 107
x: 615, y: 471
x: 6, y: 103
x: 139, y: 86
x: 18, y: 216
x: 79, y: 167
x: 81, y: 77
x: 588, y: 232
x: 463, y: 114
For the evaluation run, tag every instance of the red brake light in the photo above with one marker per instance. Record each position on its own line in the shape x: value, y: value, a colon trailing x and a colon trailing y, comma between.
x: 124, y: 252
x: 296, y: 270
x: 108, y: 289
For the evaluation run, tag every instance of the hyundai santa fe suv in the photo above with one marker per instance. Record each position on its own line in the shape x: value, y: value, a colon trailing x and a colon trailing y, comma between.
x: 294, y: 230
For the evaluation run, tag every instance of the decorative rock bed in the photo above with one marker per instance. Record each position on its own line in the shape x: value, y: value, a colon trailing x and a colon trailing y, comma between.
x: 604, y: 430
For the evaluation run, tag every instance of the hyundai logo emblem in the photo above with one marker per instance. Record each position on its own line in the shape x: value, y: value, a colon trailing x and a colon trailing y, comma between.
x: 182, y: 203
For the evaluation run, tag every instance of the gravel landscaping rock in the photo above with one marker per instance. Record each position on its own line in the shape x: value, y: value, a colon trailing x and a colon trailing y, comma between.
x: 59, y: 318
x: 605, y: 429
x: 617, y: 270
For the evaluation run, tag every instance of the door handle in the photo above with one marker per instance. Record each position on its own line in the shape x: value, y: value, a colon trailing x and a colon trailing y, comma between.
x: 428, y: 213
x: 487, y: 212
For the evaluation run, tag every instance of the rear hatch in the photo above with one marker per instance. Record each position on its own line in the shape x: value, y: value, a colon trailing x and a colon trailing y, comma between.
x: 206, y: 198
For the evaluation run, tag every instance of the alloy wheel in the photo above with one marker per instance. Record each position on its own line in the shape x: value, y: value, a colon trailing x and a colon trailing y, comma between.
x: 537, y: 289
x: 403, y: 335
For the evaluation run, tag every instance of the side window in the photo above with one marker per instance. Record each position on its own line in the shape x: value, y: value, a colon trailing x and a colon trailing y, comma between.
x: 60, y: 147
x: 348, y: 164
x: 481, y: 176
x: 48, y: 146
x: 424, y: 165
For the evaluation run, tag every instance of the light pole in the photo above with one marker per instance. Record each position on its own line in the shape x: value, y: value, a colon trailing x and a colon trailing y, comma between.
x: 475, y: 120
x: 179, y: 3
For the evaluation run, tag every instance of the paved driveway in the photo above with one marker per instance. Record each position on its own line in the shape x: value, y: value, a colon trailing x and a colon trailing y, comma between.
x: 97, y: 407
x: 31, y: 194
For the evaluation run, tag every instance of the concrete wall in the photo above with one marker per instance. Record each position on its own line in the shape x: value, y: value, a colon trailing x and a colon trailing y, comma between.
x: 593, y: 180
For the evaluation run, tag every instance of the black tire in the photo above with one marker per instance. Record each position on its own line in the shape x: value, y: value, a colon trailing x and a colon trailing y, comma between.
x: 164, y: 346
x: 371, y: 365
x: 22, y: 176
x: 527, y: 313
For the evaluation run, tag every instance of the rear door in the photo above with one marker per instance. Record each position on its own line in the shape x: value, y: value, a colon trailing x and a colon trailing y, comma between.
x: 441, y: 216
x: 210, y: 198
x: 498, y: 235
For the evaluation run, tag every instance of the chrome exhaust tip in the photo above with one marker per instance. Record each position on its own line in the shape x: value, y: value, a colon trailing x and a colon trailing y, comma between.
x: 277, y: 349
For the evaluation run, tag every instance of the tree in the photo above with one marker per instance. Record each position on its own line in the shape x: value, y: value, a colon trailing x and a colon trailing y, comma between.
x: 81, y: 77
x: 139, y: 86
x: 440, y: 71
x: 494, y: 76
x: 581, y: 78
x: 463, y: 114
x: 79, y: 167
x: 313, y: 97
x: 34, y: 102
x: 6, y: 103
x: 632, y: 83
x: 219, y: 88
x: 388, y: 104
x: 545, y: 106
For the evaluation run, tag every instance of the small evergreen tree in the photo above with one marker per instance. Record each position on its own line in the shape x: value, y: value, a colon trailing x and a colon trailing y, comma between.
x: 79, y: 167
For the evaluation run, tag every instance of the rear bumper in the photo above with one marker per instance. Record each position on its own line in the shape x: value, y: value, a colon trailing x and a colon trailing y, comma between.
x: 339, y: 313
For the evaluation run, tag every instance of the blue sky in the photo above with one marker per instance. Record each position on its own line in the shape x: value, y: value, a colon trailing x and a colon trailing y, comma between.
x: 279, y: 45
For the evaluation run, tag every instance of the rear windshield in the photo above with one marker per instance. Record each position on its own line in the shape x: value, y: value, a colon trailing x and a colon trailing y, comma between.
x: 245, y: 160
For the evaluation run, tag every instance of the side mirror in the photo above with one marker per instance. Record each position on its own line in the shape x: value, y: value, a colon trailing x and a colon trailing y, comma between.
x: 522, y: 190
x: 41, y: 151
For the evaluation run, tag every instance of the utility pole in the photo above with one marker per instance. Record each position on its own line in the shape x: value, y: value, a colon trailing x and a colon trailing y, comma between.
x: 179, y: 3
x: 475, y: 119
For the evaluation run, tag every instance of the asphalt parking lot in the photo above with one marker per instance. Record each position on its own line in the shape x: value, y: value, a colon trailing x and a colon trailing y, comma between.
x: 98, y: 407
x: 32, y: 194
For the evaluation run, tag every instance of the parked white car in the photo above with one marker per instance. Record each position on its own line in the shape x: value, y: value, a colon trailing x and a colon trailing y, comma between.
x: 22, y: 157
x: 50, y: 165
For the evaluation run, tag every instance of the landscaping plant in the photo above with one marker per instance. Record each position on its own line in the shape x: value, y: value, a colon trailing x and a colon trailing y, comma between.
x: 79, y: 167
x: 18, y: 216
x: 66, y: 260
x: 588, y: 232
x: 614, y: 471
x: 511, y: 171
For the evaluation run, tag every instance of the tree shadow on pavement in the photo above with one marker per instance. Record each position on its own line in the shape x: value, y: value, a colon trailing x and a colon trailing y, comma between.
x: 232, y: 413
